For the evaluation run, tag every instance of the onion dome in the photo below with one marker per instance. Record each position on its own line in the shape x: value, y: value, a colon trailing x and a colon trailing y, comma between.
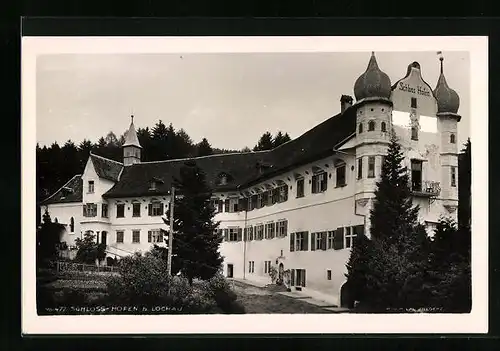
x: 131, y: 138
x: 372, y: 83
x: 447, y: 98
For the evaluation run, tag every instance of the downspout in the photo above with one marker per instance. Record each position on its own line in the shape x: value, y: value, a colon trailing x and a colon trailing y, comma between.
x: 245, y: 245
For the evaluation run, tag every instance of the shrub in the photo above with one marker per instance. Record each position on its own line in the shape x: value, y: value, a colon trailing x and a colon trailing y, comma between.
x: 225, y: 298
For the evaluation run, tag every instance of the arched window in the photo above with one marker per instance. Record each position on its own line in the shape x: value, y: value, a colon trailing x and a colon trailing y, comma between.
x: 452, y: 138
x: 371, y: 126
x: 72, y: 225
x: 360, y: 130
x: 383, y: 127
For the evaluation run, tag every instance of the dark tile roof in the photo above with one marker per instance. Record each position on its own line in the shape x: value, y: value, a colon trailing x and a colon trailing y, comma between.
x: 242, y: 169
x: 106, y: 168
x: 72, y: 191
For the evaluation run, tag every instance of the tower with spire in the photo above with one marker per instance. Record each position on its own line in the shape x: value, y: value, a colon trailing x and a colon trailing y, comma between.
x: 131, y: 147
x: 373, y: 125
x: 448, y: 103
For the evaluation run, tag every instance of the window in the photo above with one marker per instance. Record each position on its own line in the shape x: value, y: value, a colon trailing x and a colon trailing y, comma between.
x: 360, y: 128
x: 267, y: 266
x: 119, y: 237
x: 136, y: 236
x: 371, y: 167
x: 155, y: 236
x: 232, y: 205
x: 299, y: 241
x: 234, y: 234
x: 413, y: 102
x: 251, y: 266
x: 259, y: 201
x: 104, y: 211
x: 416, y: 175
x: 453, y: 176
x: 265, y: 199
x: 270, y: 230
x: 360, y: 167
x: 331, y: 235
x: 319, y: 182
x: 329, y: 275
x: 249, y: 233
x: 155, y: 208
x: 259, y: 232
x: 300, y: 187
x: 152, y: 185
x: 349, y: 237
x: 120, y: 210
x: 414, y: 133
x: 72, y: 225
x: 220, y: 207
x: 283, y: 193
x: 300, y: 277
x: 90, y: 210
x: 281, y: 228
x: 91, y: 186
x: 318, y: 241
x: 452, y: 138
x: 340, y: 170
x: 383, y: 127
x: 136, y: 209
x: 371, y: 126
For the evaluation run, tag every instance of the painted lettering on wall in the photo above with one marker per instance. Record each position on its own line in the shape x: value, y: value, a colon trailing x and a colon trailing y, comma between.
x: 420, y: 90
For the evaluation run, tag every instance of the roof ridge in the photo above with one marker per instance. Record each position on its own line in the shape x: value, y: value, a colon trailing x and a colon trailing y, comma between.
x: 107, y: 159
x: 58, y: 190
x: 201, y: 157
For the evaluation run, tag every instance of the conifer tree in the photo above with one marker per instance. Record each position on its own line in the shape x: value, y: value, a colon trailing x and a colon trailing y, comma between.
x: 195, y: 242
x: 358, y: 268
x: 204, y: 148
x: 265, y: 142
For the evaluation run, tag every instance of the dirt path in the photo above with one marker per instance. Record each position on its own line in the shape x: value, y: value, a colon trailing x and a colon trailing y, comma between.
x: 260, y: 300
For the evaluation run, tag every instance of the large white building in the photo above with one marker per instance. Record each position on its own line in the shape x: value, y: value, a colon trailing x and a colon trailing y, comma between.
x: 296, y: 207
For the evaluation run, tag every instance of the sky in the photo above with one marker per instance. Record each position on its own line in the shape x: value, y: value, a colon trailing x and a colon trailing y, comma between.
x: 229, y: 98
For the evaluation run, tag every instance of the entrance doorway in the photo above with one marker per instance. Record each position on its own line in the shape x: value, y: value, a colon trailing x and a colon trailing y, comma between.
x: 230, y: 270
x: 281, y: 269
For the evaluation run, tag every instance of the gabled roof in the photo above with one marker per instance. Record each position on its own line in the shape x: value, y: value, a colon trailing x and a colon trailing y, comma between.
x: 72, y: 191
x: 106, y: 168
x: 244, y: 169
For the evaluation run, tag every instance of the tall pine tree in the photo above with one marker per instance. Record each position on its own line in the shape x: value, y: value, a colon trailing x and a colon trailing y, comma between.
x: 195, y: 242
x: 265, y: 142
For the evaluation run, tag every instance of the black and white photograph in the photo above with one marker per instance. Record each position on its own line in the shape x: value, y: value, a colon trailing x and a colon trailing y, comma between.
x: 258, y: 182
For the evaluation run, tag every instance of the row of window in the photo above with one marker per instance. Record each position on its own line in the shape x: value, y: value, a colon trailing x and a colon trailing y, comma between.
x: 154, y: 236
x: 371, y: 127
x: 371, y: 167
x: 154, y: 209
x: 259, y: 231
x: 338, y: 239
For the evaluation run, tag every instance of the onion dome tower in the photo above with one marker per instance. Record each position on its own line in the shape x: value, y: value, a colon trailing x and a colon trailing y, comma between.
x: 448, y: 101
x: 373, y: 123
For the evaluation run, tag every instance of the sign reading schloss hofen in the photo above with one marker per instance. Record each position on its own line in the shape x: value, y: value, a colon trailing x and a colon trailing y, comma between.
x: 419, y: 90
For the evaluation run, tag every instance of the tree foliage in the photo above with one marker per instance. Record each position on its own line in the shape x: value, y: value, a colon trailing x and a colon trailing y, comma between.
x: 89, y: 250
x: 47, y: 239
x: 196, y: 241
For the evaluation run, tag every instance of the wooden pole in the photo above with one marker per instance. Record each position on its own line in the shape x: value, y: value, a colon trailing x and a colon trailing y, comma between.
x: 171, y: 233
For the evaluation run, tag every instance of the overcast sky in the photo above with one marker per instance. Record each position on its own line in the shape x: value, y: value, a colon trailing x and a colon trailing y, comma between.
x: 230, y: 99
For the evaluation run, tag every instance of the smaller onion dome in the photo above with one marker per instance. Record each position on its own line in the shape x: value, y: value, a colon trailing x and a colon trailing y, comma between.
x: 372, y: 83
x: 447, y: 98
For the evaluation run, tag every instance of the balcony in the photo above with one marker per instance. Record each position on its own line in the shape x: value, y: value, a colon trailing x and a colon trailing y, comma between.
x: 426, y: 188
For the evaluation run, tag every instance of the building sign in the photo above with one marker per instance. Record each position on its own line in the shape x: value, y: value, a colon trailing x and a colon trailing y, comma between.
x: 420, y: 90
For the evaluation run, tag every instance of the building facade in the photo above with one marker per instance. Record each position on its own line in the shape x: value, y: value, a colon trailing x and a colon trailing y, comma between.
x: 296, y: 208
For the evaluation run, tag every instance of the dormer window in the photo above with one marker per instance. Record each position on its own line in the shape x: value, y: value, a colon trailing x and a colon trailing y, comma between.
x: 152, y: 185
x: 223, y: 179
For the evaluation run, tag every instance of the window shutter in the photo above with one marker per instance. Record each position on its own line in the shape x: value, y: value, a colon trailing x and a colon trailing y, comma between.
x: 161, y: 209
x: 239, y: 234
x: 149, y: 236
x: 313, y: 243
x: 305, y: 242
x: 245, y: 234
x: 84, y: 214
x: 226, y: 205
x: 303, y: 278
x: 292, y: 242
x: 338, y: 239
x: 226, y: 234
x: 292, y: 277
x: 323, y: 241
x: 242, y: 204
x: 150, y: 209
x: 286, y: 193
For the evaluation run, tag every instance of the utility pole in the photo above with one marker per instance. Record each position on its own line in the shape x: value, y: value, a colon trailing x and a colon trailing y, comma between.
x: 171, y: 233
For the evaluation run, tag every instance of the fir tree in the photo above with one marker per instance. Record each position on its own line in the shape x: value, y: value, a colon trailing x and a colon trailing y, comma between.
x: 265, y: 142
x: 195, y: 242
x: 357, y: 268
x: 204, y: 148
x: 280, y: 138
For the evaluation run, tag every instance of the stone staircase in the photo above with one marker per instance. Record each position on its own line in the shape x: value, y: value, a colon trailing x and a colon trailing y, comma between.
x: 275, y: 288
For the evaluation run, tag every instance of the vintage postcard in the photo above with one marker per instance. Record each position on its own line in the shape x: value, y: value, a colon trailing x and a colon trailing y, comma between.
x: 254, y: 185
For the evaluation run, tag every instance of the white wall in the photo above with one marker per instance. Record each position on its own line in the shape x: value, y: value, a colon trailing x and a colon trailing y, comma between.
x: 63, y: 214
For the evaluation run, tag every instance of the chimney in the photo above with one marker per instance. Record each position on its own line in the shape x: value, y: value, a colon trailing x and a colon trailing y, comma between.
x: 345, y: 102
